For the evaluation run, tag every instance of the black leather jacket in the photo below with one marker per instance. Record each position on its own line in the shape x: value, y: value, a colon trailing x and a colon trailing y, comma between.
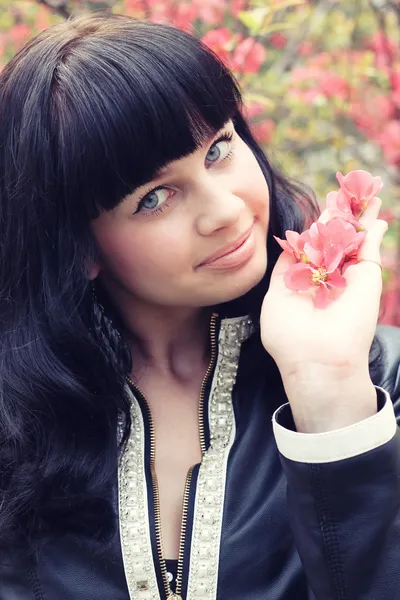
x: 259, y: 525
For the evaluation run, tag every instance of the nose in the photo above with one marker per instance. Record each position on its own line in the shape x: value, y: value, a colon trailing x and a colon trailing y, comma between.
x: 219, y: 208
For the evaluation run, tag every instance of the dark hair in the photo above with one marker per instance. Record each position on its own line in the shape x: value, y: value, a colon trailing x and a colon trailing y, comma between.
x: 88, y: 110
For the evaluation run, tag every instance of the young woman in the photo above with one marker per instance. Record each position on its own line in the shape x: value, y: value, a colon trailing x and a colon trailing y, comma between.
x: 175, y: 423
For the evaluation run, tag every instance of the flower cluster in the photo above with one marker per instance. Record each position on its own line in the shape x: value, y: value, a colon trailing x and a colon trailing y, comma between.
x: 332, y: 242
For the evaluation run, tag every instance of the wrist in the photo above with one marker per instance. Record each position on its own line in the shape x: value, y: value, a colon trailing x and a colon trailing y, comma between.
x: 324, y: 398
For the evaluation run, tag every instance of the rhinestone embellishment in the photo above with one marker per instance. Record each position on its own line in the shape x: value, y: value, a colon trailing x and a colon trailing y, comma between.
x: 210, y: 492
x: 133, y: 514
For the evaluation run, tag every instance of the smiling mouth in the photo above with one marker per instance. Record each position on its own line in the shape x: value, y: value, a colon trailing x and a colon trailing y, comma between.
x: 228, y: 251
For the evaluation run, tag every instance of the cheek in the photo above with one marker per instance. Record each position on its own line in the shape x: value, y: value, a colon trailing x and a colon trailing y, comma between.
x: 136, y: 250
x: 254, y: 188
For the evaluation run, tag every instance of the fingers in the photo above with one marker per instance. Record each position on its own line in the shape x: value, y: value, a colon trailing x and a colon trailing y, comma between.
x: 284, y: 261
x: 370, y: 249
x: 366, y: 273
x: 371, y: 213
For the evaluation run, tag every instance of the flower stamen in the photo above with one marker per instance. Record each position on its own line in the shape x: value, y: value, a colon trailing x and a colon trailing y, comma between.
x: 319, y: 276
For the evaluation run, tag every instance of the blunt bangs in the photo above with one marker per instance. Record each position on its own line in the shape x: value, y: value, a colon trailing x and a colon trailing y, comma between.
x: 127, y: 100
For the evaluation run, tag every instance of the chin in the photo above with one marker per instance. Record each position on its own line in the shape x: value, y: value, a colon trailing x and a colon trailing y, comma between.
x: 238, y: 283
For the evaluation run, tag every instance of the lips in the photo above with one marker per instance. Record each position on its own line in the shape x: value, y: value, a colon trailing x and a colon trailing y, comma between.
x: 228, y: 248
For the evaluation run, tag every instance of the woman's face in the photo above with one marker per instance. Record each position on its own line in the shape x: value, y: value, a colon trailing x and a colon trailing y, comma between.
x: 161, y: 244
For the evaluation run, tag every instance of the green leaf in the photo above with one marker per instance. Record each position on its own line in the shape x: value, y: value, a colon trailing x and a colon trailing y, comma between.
x: 254, y: 19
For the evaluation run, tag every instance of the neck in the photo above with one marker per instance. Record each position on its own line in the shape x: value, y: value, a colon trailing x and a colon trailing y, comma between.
x: 167, y: 341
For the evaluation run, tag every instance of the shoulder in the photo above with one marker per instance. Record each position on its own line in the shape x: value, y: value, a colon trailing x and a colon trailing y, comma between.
x: 385, y: 363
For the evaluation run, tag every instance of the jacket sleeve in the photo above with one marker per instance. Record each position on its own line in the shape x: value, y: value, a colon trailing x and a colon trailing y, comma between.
x: 17, y: 583
x: 343, y: 490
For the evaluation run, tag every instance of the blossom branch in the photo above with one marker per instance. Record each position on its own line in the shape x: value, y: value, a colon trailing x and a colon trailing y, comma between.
x: 291, y: 54
x: 60, y: 8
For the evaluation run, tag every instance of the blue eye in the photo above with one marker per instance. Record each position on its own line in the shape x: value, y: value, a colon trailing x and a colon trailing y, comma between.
x: 218, y: 151
x: 154, y: 199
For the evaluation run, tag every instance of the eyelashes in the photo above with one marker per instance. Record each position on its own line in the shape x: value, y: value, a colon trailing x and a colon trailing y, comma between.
x: 224, y: 137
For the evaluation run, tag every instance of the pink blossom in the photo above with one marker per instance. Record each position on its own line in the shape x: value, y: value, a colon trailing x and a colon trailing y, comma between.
x: 324, y: 244
x: 237, y: 6
x: 264, y: 130
x: 385, y: 49
x: 305, y: 49
x: 330, y: 243
x: 396, y: 98
x: 321, y: 81
x: 372, y: 111
x: 253, y: 109
x: 210, y: 11
x: 302, y: 277
x: 321, y: 253
x: 184, y: 15
x: 278, y: 40
x: 390, y: 142
x: 248, y: 56
x: 294, y: 244
x: 395, y: 79
x: 338, y: 207
x: 220, y: 41
x: 19, y: 33
x: 359, y: 188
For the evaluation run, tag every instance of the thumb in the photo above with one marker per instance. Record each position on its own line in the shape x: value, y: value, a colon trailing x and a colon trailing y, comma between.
x: 370, y: 249
x: 284, y: 261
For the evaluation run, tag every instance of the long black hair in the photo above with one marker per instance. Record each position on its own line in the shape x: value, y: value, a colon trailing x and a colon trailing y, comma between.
x: 89, y: 110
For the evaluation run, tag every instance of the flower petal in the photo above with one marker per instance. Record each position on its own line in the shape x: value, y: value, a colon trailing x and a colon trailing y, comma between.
x: 333, y: 257
x: 336, y: 280
x: 322, y: 297
x: 284, y: 245
x: 298, y: 277
x: 359, y: 186
x: 315, y: 256
x: 337, y: 202
x: 292, y: 237
x: 378, y: 185
x: 325, y: 216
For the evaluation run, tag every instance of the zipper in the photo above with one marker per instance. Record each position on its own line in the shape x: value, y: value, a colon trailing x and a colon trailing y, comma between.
x: 169, y: 594
x: 213, y: 338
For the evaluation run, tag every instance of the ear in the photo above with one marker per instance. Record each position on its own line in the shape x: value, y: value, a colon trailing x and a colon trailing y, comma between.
x: 92, y: 269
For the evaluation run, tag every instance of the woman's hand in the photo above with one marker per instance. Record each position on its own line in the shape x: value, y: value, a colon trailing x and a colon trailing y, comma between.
x: 322, y: 354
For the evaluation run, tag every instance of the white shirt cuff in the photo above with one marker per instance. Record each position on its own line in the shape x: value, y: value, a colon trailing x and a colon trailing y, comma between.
x: 341, y: 443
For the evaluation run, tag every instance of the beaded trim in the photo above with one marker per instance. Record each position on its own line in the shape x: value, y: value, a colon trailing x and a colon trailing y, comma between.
x: 210, y: 492
x: 133, y: 514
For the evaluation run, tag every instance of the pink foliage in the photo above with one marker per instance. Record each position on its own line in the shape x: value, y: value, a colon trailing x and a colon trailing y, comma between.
x: 390, y: 142
x: 243, y: 55
x: 220, y: 41
x: 248, y: 56
x: 19, y: 34
x: 237, y: 6
x: 321, y: 81
x: 210, y: 11
x: 385, y: 49
x: 264, y: 130
x: 306, y: 49
x: 278, y: 40
x: 371, y: 113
